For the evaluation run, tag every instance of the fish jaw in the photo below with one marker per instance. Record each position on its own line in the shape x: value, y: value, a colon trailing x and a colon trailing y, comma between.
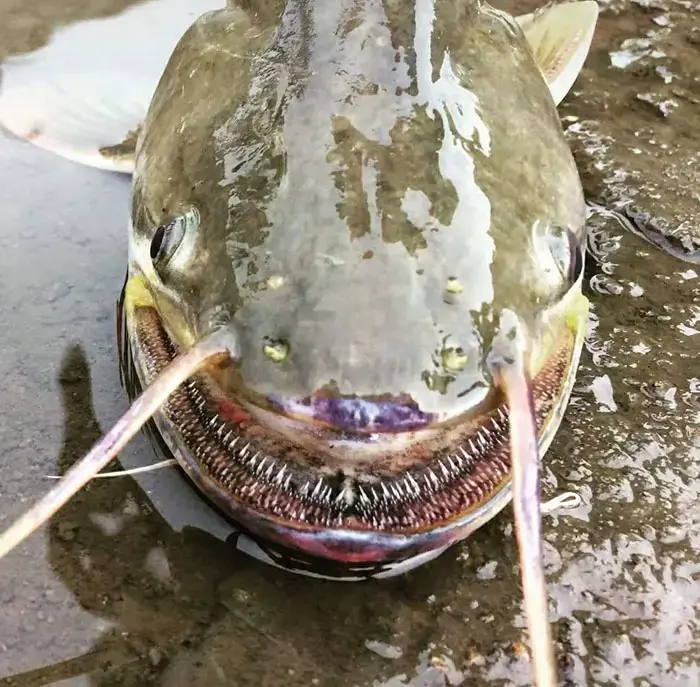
x: 342, y: 542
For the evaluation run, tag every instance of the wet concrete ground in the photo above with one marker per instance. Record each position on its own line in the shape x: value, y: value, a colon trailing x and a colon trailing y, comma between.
x: 111, y: 594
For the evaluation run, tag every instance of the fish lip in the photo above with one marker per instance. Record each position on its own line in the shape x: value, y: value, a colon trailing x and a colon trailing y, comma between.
x: 341, y: 544
x: 319, y: 411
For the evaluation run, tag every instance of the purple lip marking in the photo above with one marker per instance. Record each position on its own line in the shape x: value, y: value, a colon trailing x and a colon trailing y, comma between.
x: 355, y: 414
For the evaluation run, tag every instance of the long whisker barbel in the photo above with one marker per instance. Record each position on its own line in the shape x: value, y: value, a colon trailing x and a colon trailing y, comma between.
x: 211, y: 349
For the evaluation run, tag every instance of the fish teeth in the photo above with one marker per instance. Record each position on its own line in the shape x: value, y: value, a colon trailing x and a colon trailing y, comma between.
x: 363, y: 496
x: 432, y: 482
x: 348, y: 495
x: 395, y: 494
x: 252, y: 488
x: 501, y: 464
x: 472, y: 484
x: 412, y: 484
x: 369, y: 495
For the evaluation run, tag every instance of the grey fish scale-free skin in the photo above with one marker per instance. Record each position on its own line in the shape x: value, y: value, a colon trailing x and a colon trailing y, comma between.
x: 356, y: 155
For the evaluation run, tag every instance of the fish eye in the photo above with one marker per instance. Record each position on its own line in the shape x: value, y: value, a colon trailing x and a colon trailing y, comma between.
x: 567, y: 252
x: 157, y: 241
x: 168, y: 237
x: 166, y: 240
x: 576, y: 257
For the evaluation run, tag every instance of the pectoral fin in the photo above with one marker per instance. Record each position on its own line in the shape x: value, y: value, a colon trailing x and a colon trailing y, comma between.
x: 560, y: 38
x: 85, y: 95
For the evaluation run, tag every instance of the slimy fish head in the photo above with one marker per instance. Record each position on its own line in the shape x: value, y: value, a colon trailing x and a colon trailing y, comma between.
x: 354, y: 195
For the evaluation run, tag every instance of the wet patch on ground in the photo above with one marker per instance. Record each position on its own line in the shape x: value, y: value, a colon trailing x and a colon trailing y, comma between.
x: 633, y: 120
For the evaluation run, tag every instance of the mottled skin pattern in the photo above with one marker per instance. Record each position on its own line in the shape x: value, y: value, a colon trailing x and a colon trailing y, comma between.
x: 365, y: 154
x: 370, y: 184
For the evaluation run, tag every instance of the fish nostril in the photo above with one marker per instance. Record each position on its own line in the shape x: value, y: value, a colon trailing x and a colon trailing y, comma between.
x: 277, y: 350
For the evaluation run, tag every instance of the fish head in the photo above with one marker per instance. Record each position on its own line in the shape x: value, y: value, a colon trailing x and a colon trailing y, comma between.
x: 355, y: 195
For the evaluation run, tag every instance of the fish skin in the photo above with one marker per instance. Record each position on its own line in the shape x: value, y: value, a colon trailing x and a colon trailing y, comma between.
x: 406, y: 132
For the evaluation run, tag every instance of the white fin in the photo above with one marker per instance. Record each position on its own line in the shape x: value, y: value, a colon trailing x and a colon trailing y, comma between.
x: 90, y: 87
x: 560, y: 38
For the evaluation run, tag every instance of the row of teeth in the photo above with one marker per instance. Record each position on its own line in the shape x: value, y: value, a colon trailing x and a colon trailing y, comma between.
x: 367, y: 499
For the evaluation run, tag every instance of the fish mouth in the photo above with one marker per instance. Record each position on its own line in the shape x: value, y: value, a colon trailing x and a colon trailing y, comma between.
x: 292, y: 489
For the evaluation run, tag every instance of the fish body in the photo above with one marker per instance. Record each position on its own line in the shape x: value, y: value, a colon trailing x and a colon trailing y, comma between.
x: 360, y: 194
